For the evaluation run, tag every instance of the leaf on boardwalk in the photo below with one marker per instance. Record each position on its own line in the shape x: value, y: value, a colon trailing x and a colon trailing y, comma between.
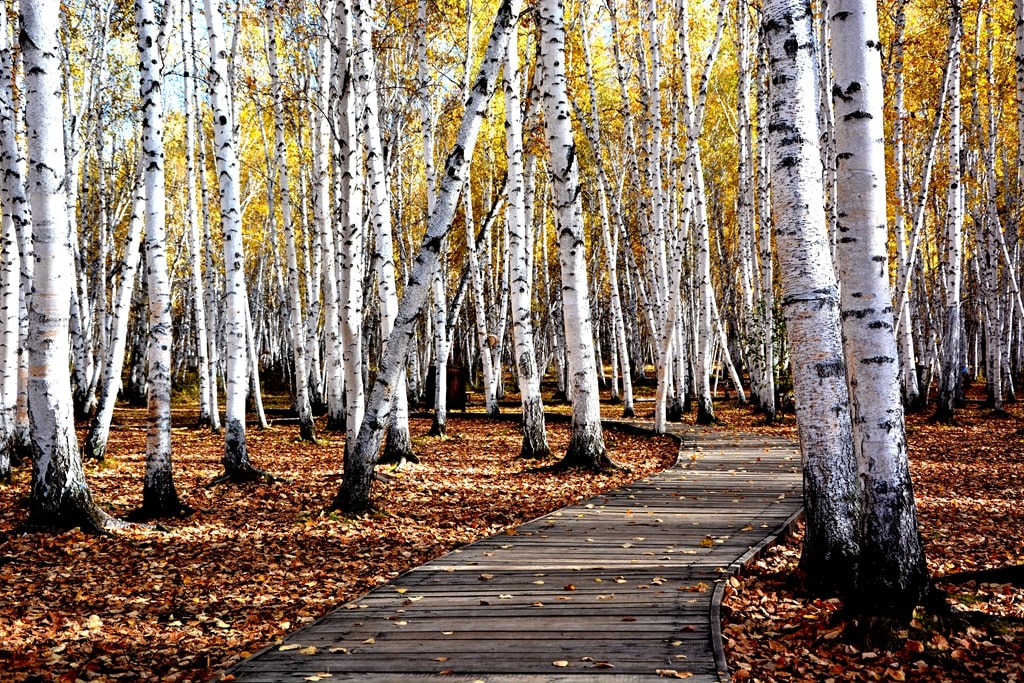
x: 672, y: 673
x: 560, y: 662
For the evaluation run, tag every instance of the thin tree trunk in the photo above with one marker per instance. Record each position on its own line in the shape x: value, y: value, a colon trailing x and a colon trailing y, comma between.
x: 296, y: 320
x: 535, y: 440
x: 159, y: 496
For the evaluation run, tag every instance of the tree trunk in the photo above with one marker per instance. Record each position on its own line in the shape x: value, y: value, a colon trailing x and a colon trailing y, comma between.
x: 535, y: 440
x: 586, y: 442
x: 891, y: 573
x: 296, y: 320
x: 60, y: 496
x: 354, y: 495
x: 14, y: 220
x: 236, y: 458
x: 159, y: 497
x: 810, y: 300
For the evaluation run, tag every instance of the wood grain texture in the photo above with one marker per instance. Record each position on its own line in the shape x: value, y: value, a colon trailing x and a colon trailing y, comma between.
x: 612, y: 590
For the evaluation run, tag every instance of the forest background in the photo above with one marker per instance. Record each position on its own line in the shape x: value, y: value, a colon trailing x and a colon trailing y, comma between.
x: 277, y: 172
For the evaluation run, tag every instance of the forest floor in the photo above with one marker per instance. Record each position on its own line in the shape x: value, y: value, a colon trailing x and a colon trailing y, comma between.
x: 257, y: 561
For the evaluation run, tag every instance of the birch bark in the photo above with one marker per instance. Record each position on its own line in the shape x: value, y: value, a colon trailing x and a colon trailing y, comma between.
x: 399, y: 445
x: 810, y: 300
x: 60, y: 496
x: 159, y: 497
x: 891, y: 573
x: 586, y: 442
x: 952, y: 350
x: 13, y: 220
x: 237, y: 465
x: 294, y: 294
x: 535, y: 441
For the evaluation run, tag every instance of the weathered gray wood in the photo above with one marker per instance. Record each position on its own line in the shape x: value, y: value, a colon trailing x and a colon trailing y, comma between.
x: 615, y: 587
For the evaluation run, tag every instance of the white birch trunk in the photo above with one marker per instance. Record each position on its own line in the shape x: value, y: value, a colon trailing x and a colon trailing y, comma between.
x: 586, y: 442
x: 13, y: 220
x: 609, y: 204
x: 236, y: 459
x: 99, y: 430
x: 60, y: 496
x: 766, y: 301
x: 399, y: 445
x: 535, y: 441
x: 354, y: 494
x: 159, y: 497
x: 891, y: 573
x: 207, y: 379
x: 351, y: 247
x: 908, y: 358
x: 810, y: 300
x: 952, y: 354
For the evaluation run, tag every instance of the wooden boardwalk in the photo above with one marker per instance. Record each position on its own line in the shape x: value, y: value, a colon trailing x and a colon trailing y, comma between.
x: 615, y: 589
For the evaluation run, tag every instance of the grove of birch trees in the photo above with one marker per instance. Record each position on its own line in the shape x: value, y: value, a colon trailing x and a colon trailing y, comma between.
x: 802, y: 205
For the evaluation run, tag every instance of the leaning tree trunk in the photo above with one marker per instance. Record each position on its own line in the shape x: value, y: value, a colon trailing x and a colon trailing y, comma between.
x: 354, y: 495
x: 810, y: 300
x: 159, y: 497
x: 236, y: 458
x: 60, y: 496
x: 891, y: 573
x: 586, y: 442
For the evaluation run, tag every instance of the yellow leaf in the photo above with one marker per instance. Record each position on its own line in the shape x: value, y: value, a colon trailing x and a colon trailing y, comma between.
x: 290, y: 646
x: 560, y: 662
x: 311, y: 650
x: 94, y: 622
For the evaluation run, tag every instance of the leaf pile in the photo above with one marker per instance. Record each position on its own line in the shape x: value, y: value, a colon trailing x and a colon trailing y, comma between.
x: 969, y: 480
x: 257, y: 561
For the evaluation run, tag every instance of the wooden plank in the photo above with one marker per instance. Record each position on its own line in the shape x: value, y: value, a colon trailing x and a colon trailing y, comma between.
x: 625, y: 578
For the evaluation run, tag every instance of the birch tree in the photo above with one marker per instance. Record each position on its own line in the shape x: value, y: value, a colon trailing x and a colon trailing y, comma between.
x: 60, y: 496
x: 237, y: 465
x: 354, y: 494
x: 810, y: 300
x: 535, y: 441
x: 399, y: 445
x: 205, y: 370
x: 586, y: 442
x: 13, y: 219
x: 952, y: 349
x: 891, y: 571
x: 159, y: 497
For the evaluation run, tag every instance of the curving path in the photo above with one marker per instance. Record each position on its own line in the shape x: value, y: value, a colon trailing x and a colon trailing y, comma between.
x: 622, y: 587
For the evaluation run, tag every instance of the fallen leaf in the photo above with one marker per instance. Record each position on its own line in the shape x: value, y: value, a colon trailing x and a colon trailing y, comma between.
x: 560, y: 662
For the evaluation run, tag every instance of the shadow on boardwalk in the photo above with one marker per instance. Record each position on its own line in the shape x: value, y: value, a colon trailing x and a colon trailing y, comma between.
x: 622, y: 587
